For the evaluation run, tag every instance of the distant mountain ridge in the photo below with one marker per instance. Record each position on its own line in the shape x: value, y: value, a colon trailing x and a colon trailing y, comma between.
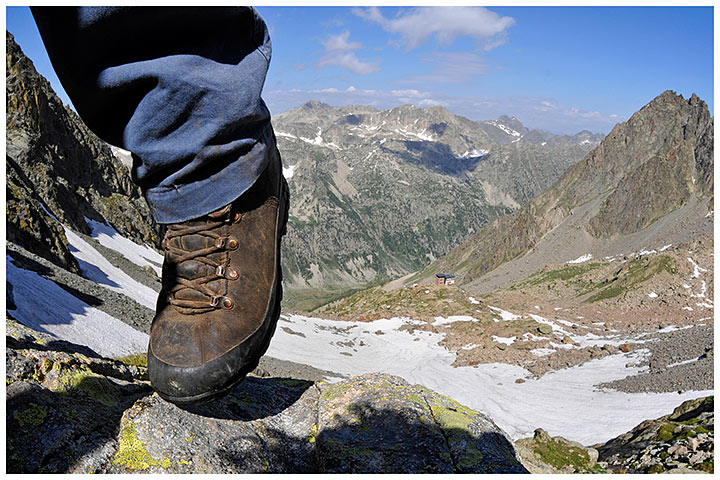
x: 659, y: 161
x: 379, y: 193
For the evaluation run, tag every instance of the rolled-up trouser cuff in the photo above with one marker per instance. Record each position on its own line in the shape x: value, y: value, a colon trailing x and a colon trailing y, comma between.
x: 193, y: 200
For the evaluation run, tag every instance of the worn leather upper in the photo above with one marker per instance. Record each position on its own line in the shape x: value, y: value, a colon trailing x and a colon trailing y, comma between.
x: 218, y: 277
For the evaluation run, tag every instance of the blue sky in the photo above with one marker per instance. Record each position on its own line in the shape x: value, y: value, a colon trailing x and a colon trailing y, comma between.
x: 563, y: 69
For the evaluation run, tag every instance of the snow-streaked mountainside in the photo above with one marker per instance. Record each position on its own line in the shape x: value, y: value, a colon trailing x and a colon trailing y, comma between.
x: 44, y: 305
x: 650, y: 180
x: 377, y: 194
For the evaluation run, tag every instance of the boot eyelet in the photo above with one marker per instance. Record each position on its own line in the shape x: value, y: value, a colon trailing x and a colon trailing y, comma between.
x: 237, y: 217
x: 214, y: 301
x: 220, y: 272
x: 232, y: 275
x: 228, y: 303
x: 232, y: 244
x: 220, y: 242
x: 164, y: 244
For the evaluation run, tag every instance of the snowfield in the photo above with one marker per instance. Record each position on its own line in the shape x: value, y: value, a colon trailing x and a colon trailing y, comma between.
x: 95, y: 267
x: 564, y: 403
x: 44, y: 306
x: 140, y: 255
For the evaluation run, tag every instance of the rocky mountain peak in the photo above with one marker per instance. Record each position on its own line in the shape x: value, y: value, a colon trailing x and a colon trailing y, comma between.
x: 657, y: 162
x: 513, y: 123
x: 314, y: 105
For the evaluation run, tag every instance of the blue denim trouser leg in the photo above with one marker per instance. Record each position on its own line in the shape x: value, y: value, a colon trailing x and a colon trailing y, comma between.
x: 178, y: 87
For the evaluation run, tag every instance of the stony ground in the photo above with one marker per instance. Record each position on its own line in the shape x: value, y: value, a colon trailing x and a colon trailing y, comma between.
x: 681, y: 442
x: 657, y: 302
x: 70, y: 411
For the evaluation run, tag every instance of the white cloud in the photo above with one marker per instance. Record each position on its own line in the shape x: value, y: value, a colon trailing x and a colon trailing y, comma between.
x: 339, y: 51
x: 450, y: 67
x: 339, y: 43
x: 410, y: 93
x: 429, y: 102
x: 445, y: 23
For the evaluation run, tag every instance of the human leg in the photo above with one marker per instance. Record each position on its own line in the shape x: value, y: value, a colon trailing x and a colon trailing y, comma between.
x: 181, y: 90
x: 178, y: 87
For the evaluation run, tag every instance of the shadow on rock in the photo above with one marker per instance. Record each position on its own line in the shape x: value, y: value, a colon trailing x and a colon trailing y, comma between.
x: 65, y: 431
x: 370, y: 440
x: 254, y: 398
x: 370, y: 424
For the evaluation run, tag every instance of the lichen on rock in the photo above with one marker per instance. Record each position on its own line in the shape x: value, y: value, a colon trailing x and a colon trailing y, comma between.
x: 132, y: 453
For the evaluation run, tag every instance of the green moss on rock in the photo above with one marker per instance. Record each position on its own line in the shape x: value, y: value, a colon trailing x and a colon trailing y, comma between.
x: 95, y: 386
x: 665, y: 434
x: 139, y: 360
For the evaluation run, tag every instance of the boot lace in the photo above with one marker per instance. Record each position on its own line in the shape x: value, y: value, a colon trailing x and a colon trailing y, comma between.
x: 179, y: 255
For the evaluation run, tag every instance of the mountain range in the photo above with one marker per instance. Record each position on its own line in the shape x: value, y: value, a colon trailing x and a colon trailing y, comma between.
x: 378, y: 194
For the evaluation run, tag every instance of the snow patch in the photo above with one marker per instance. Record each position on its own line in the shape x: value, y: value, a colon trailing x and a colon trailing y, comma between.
x: 473, y: 301
x: 43, y: 306
x: 506, y: 316
x: 504, y: 128
x: 474, y: 153
x: 697, y: 267
x: 289, y: 171
x: 505, y: 340
x: 96, y: 268
x: 684, y: 362
x: 581, y: 259
x: 140, y: 255
x: 673, y: 328
x: 452, y: 319
x: 541, y: 352
x: 652, y: 295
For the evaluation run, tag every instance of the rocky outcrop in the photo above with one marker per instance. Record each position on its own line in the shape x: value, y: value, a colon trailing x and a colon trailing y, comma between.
x: 682, y: 442
x: 69, y: 410
x: 546, y: 454
x: 59, y: 172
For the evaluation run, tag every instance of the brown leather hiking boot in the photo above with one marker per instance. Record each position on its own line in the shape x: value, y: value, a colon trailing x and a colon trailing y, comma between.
x: 221, y: 294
